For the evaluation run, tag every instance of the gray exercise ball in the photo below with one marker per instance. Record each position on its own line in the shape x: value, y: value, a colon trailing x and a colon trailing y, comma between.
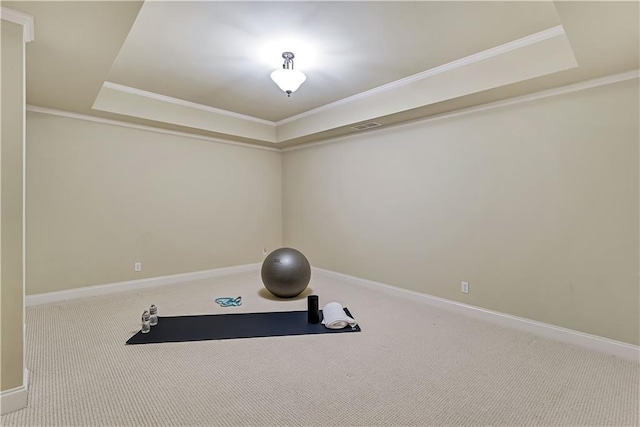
x: 286, y: 272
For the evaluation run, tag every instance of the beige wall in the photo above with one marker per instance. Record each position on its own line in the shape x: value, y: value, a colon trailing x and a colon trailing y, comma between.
x: 102, y: 197
x: 535, y: 205
x: 11, y: 215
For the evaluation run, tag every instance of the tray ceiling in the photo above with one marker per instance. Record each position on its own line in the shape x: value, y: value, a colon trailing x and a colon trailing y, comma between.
x: 203, y: 66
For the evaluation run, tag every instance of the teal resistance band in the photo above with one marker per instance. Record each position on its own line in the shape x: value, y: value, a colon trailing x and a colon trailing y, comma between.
x: 229, y: 302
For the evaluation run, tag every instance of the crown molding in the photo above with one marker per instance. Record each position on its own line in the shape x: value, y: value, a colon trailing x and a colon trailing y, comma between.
x: 21, y: 19
x: 53, y: 112
x: 182, y: 102
x: 476, y: 57
x: 603, y: 81
x: 588, y: 84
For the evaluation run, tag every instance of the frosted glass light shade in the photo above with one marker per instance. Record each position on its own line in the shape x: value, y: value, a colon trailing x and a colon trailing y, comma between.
x: 288, y: 80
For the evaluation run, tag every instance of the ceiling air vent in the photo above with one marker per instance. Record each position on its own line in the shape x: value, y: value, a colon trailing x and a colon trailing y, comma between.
x: 363, y: 126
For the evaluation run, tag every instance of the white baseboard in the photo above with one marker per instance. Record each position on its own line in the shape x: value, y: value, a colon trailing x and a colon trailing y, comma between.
x: 111, y: 288
x: 592, y: 342
x: 15, y: 399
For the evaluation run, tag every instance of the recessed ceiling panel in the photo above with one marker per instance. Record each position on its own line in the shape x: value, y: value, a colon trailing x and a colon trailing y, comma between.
x: 220, y: 54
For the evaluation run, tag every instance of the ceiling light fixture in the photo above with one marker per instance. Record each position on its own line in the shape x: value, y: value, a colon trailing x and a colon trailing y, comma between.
x: 288, y: 79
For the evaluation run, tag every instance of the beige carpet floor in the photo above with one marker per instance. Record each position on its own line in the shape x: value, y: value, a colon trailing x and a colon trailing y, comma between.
x: 411, y: 365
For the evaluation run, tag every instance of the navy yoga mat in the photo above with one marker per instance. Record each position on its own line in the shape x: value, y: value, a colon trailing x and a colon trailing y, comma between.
x: 230, y: 326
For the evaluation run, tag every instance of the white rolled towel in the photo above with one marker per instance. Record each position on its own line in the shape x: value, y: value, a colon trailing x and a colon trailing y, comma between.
x: 334, y: 317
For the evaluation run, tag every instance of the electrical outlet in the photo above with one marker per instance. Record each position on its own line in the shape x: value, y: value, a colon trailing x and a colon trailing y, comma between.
x: 137, y: 266
x: 465, y: 287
